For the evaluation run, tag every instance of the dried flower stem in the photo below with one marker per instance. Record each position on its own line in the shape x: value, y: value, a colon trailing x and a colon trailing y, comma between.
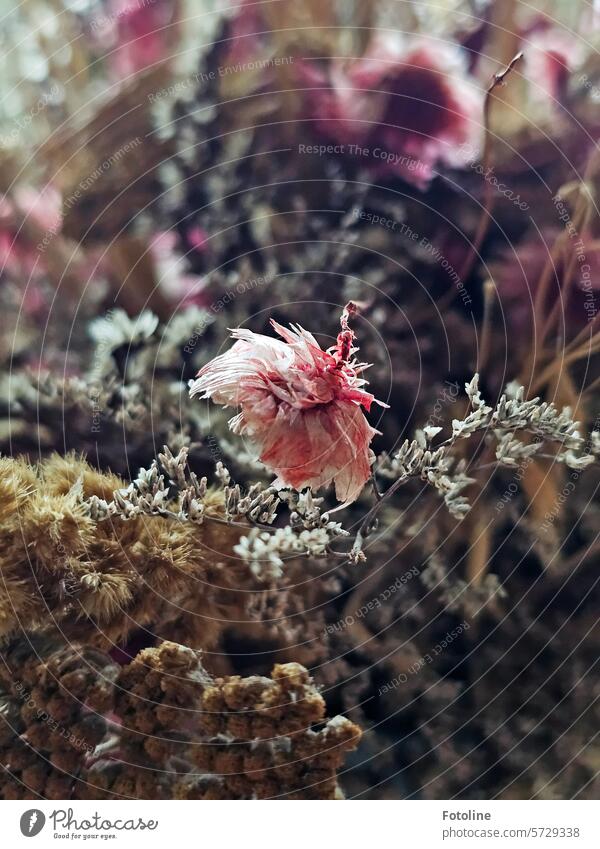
x: 498, y: 79
x: 489, y: 295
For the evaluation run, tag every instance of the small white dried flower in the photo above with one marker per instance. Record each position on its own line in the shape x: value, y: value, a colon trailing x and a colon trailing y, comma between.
x: 578, y: 463
x: 265, y: 551
x: 175, y: 465
x: 511, y: 451
x: 222, y: 474
x: 116, y: 329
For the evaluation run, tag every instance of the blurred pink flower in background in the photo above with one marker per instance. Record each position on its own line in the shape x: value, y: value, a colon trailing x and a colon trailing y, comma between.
x: 551, y: 55
x: 246, y: 33
x: 415, y: 101
x: 137, y: 33
x: 171, y: 268
x: 300, y: 406
x: 19, y: 255
x: 517, y: 271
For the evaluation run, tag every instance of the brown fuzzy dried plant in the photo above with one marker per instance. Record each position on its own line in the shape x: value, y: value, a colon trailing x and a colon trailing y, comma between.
x: 64, y: 570
x: 75, y: 726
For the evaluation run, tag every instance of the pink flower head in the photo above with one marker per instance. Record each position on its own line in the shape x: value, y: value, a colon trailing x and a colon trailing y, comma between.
x: 300, y: 406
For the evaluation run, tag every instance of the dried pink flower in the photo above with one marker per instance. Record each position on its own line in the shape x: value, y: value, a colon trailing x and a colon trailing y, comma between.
x: 300, y: 406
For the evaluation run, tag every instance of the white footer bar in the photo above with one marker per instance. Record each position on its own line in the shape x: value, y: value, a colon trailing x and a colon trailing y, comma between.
x: 303, y: 825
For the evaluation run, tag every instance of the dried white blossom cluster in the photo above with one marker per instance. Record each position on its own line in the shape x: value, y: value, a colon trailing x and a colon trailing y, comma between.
x: 132, y: 378
x: 116, y: 329
x: 184, y: 496
x: 169, y: 488
x: 437, y: 465
x: 511, y: 451
x: 256, y: 505
x: 309, y: 532
x: 305, y: 512
x: 266, y: 552
x: 145, y: 495
x: 539, y: 418
x: 460, y: 596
